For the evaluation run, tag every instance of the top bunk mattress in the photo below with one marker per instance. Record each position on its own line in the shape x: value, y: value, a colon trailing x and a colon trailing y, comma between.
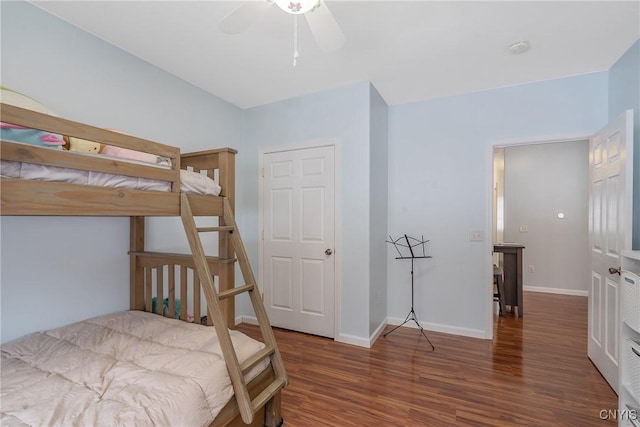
x: 129, y: 368
x: 190, y: 182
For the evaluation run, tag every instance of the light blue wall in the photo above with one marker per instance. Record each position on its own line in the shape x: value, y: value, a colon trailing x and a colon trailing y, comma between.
x: 624, y: 93
x: 341, y: 114
x: 379, y: 178
x: 57, y: 270
x: 440, y: 178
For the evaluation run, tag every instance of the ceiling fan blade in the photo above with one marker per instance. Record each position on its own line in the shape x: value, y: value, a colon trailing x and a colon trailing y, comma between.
x: 242, y: 17
x: 324, y: 28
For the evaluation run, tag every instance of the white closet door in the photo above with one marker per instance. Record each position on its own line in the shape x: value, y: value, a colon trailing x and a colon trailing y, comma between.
x: 298, y: 220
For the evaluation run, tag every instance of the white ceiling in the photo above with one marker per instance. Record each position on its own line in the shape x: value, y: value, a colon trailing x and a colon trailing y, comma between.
x: 409, y: 50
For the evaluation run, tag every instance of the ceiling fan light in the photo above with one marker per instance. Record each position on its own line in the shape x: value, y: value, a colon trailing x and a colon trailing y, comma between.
x: 296, y: 7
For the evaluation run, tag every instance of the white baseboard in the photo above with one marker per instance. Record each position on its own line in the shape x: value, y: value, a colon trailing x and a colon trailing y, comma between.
x: 437, y: 327
x: 353, y: 340
x: 368, y: 342
x: 560, y: 291
x: 251, y: 320
x: 376, y: 334
x: 343, y: 338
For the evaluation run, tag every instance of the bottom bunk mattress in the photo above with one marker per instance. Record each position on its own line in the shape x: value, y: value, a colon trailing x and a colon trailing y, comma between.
x: 130, y: 368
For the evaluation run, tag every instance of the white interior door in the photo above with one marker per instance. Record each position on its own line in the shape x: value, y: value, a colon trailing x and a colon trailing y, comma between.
x: 298, y: 220
x: 610, y: 214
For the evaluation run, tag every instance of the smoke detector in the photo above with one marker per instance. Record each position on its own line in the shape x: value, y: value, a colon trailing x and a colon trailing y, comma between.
x: 519, y: 47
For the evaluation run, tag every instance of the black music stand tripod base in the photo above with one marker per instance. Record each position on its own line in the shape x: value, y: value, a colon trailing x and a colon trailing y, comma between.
x: 412, y: 316
x: 410, y: 246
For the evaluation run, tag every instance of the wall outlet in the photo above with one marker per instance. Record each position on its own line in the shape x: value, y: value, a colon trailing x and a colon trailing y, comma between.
x: 476, y: 236
x: 531, y: 269
x: 524, y: 229
x: 379, y: 296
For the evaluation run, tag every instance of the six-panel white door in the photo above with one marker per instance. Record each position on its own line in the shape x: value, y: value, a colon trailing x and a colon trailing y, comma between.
x: 298, y: 220
x: 610, y: 215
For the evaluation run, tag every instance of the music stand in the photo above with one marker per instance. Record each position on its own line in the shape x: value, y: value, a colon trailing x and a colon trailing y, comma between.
x: 398, y: 243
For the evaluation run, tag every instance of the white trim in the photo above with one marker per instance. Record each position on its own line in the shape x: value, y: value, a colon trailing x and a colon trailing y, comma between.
x: 368, y: 343
x: 353, y: 340
x: 629, y: 172
x: 488, y: 249
x: 337, y: 227
x: 343, y: 338
x: 438, y: 327
x: 251, y: 320
x: 376, y: 334
x: 572, y: 137
x: 510, y: 142
x: 559, y: 291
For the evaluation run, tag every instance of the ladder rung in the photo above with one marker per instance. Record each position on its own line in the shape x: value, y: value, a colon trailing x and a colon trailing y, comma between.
x: 267, y: 393
x: 220, y: 228
x: 256, y: 358
x: 234, y: 291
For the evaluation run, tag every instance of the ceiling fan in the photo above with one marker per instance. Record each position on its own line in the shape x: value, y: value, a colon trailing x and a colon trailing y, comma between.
x: 323, y: 25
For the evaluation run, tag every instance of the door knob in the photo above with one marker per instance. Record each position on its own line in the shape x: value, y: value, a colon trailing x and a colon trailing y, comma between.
x: 614, y: 270
x: 328, y: 252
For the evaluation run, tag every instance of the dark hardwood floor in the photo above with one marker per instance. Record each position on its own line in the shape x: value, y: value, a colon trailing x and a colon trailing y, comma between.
x: 535, y: 373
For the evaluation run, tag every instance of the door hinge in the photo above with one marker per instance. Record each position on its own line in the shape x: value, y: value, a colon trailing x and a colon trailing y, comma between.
x: 262, y: 172
x: 262, y: 235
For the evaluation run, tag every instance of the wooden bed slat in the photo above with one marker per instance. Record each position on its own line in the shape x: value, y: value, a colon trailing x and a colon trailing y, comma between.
x: 160, y: 290
x: 205, y: 160
x: 148, y: 290
x: 196, y: 298
x: 69, y: 159
x: 172, y: 290
x: 155, y: 259
x: 184, y: 307
x: 25, y: 197
x: 32, y: 119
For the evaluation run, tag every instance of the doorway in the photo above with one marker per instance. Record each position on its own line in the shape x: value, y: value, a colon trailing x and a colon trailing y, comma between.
x: 609, y: 230
x: 541, y: 201
x: 298, y: 217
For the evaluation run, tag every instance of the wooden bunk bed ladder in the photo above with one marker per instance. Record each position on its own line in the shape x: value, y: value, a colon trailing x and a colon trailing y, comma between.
x: 236, y: 370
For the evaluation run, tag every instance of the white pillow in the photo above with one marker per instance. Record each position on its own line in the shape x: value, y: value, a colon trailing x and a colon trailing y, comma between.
x: 11, y: 97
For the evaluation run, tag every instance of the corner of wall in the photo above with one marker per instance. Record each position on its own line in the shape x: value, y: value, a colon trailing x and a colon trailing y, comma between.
x: 378, y: 207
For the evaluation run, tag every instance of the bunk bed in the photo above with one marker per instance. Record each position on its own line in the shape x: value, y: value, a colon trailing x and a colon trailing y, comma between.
x: 166, y: 285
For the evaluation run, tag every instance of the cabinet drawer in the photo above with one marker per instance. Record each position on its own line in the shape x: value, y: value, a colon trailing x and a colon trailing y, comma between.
x: 631, y: 359
x: 631, y: 300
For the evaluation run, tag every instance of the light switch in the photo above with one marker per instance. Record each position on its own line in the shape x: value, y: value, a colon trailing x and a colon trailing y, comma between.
x: 524, y: 229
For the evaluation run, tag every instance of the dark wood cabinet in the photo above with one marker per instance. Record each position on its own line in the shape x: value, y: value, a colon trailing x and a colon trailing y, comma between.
x: 512, y: 253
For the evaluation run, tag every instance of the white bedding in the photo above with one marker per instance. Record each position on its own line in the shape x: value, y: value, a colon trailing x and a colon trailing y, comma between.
x: 130, y: 368
x: 191, y: 182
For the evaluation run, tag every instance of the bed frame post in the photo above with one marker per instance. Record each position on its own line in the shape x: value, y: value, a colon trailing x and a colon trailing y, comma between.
x: 227, y: 178
x: 136, y: 244
x: 273, y: 415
